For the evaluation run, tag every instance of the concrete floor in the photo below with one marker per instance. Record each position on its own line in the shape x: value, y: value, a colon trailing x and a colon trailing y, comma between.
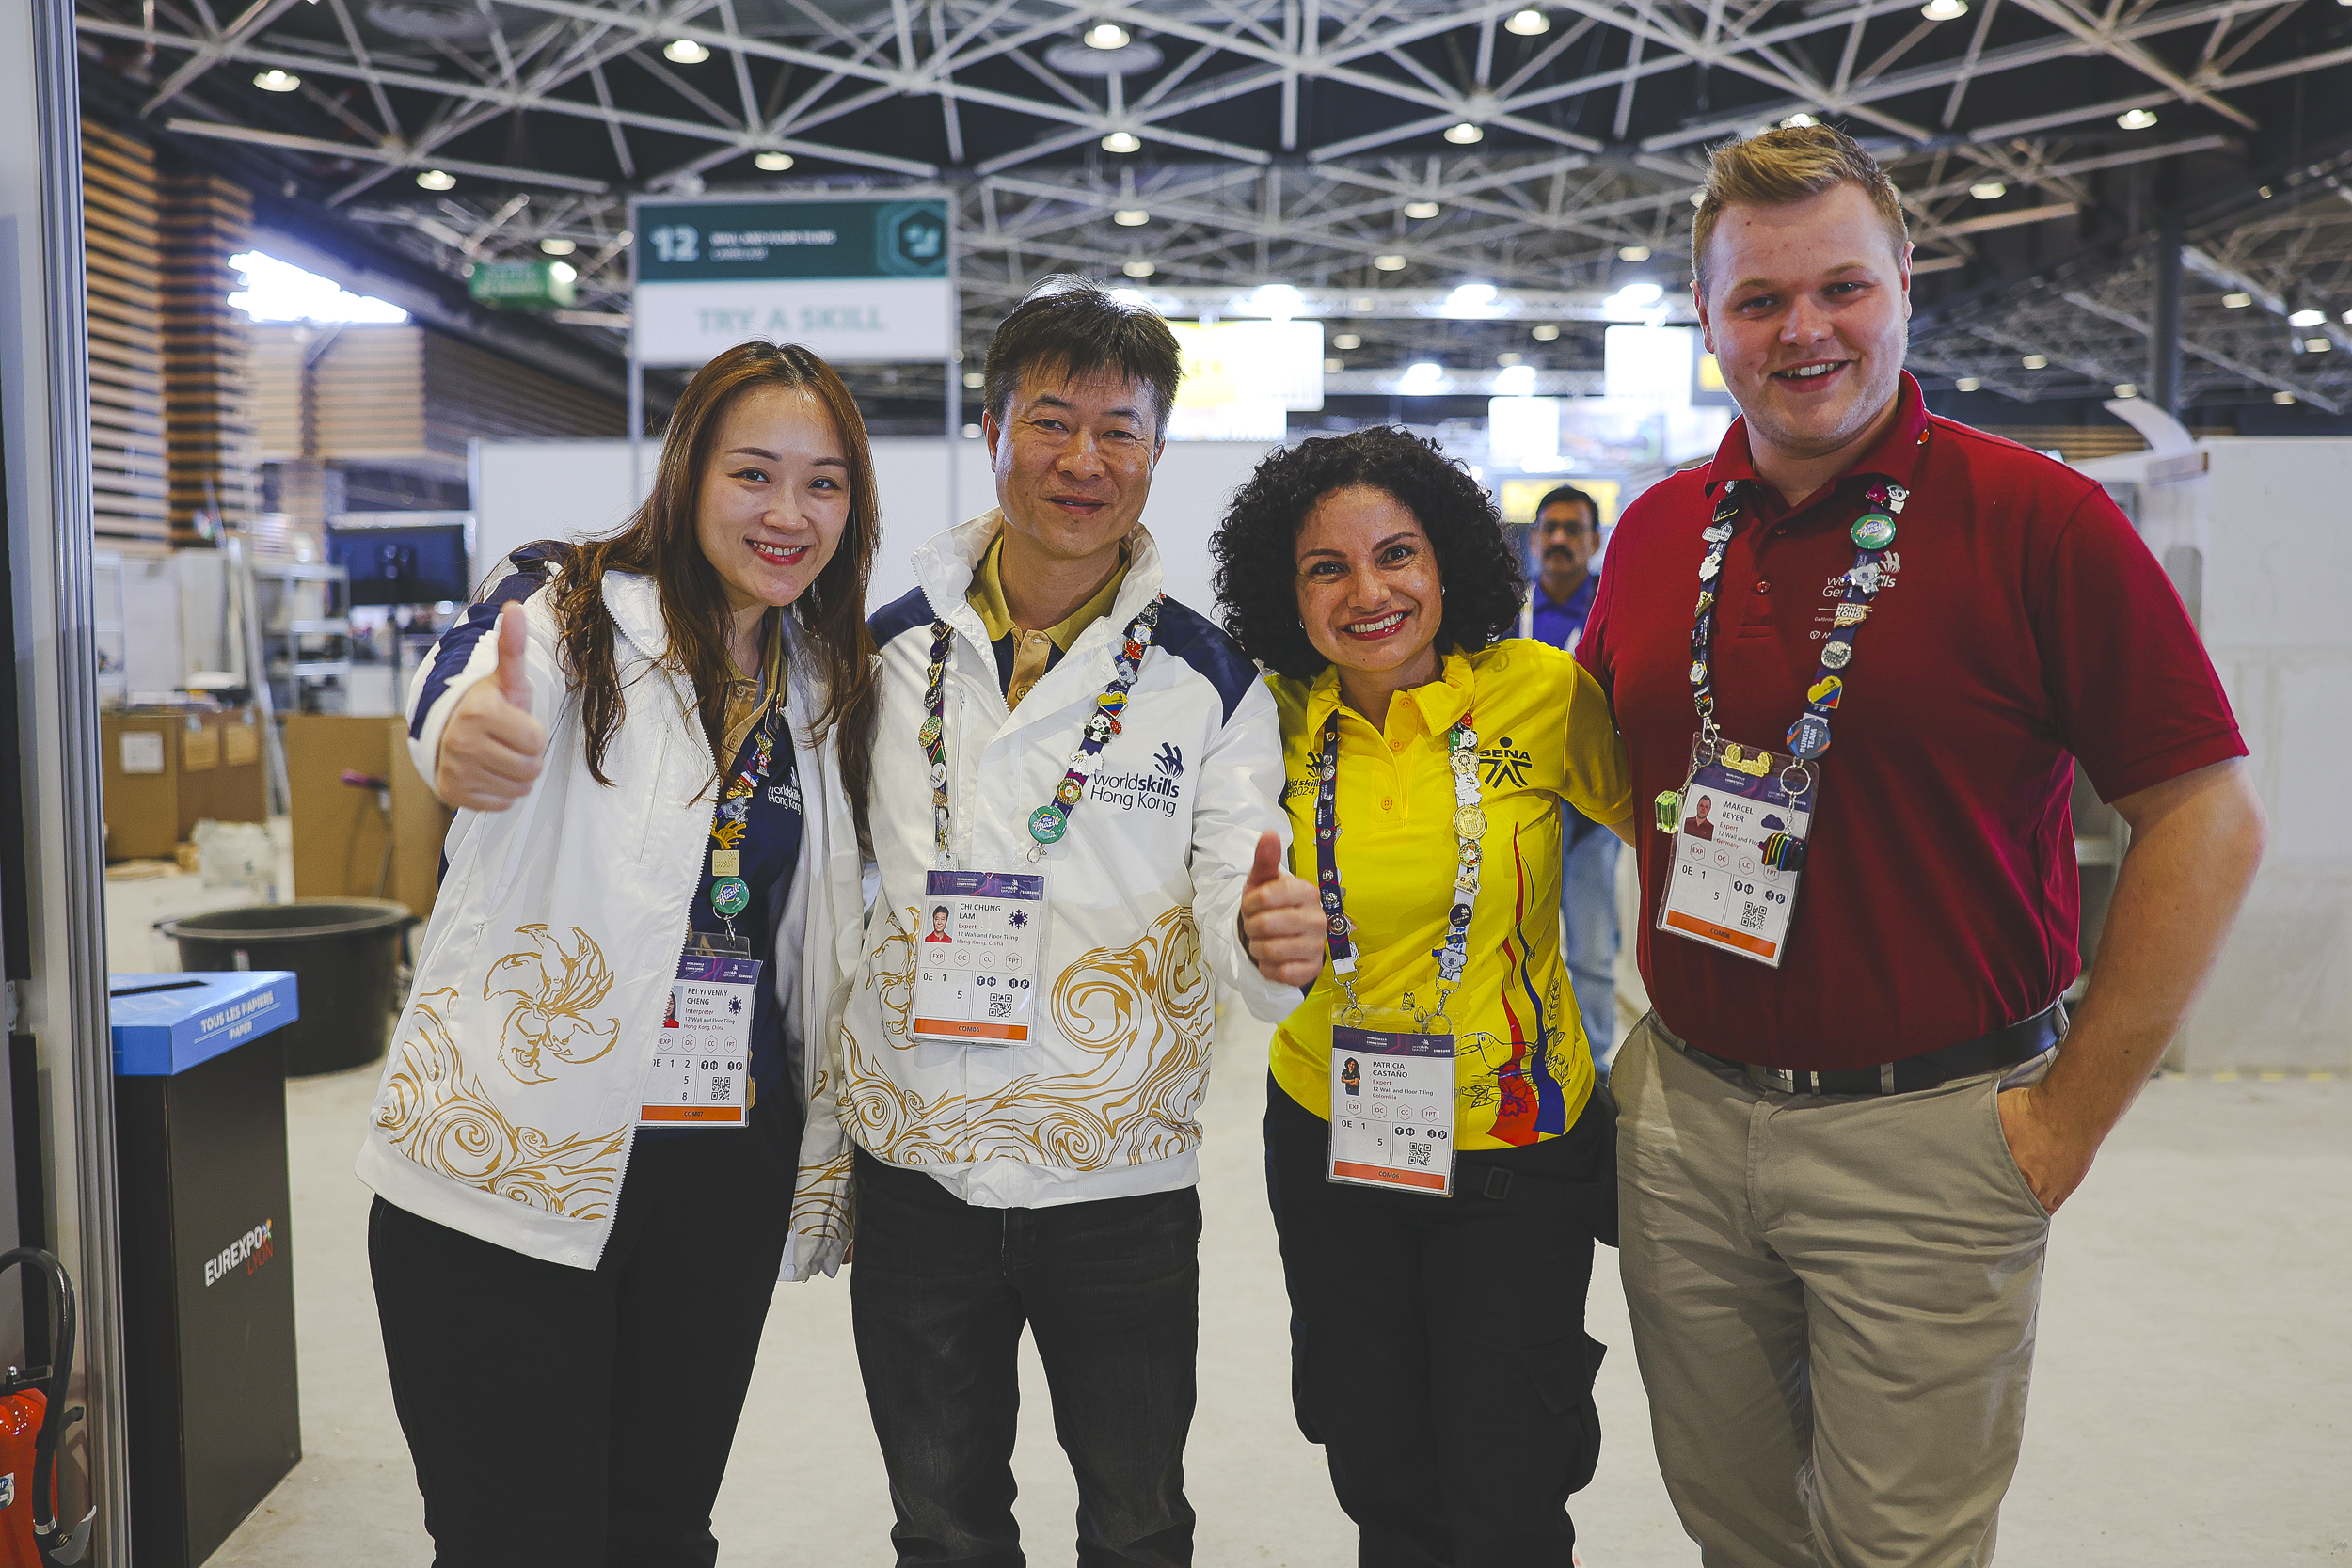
x: 2192, y: 1402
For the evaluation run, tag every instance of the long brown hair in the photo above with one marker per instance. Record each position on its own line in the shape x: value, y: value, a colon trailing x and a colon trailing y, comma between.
x: 661, y: 542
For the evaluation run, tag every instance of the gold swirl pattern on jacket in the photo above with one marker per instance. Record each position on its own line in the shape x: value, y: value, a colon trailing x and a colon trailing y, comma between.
x: 1143, y: 1014
x: 553, y: 991
x: 433, y: 1113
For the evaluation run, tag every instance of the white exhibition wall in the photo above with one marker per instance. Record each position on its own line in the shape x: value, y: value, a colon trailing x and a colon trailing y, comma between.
x: 2269, y: 517
x: 527, y: 490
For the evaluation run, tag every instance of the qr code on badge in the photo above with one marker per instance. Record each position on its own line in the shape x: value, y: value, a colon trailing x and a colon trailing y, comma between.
x: 1000, y: 1007
x: 1752, y: 916
x: 720, y: 1088
x: 1417, y: 1154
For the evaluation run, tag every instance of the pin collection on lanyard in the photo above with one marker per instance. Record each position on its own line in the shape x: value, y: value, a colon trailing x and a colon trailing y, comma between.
x: 730, y: 895
x: 1872, y: 533
x: 1470, y: 826
x: 1050, y: 821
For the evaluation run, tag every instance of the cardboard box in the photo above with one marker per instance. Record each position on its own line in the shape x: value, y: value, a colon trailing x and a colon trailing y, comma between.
x: 167, y: 769
x: 340, y: 829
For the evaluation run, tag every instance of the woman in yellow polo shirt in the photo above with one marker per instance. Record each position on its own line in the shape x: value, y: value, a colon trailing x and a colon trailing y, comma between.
x: 1437, y: 1179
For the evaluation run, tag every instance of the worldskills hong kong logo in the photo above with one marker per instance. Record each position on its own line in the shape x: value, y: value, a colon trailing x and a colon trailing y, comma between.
x: 1170, y: 762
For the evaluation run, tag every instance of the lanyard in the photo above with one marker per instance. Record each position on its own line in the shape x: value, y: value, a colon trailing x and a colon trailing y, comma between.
x: 1872, y: 533
x: 1470, y: 826
x: 730, y: 895
x: 1050, y: 821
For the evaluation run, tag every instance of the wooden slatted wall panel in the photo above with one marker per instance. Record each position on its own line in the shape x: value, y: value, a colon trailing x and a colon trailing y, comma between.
x: 470, y: 392
x: 367, y: 399
x: 208, y: 378
x: 280, y: 418
x: 128, y: 470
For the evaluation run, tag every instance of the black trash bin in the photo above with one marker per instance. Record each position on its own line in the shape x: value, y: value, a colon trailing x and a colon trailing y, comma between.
x: 346, y: 952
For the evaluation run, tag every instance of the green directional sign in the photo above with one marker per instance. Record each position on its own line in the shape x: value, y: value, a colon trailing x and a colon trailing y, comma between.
x: 521, y: 285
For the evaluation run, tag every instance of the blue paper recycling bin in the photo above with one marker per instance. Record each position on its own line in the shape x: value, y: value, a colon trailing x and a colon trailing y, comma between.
x: 207, y: 1252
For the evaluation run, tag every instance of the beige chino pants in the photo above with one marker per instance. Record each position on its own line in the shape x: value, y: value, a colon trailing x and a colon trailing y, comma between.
x: 1833, y: 1302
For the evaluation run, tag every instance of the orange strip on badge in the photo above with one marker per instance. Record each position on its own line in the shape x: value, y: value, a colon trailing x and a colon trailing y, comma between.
x: 692, y: 1113
x: 1382, y: 1173
x: 1724, y: 934
x: 964, y: 1030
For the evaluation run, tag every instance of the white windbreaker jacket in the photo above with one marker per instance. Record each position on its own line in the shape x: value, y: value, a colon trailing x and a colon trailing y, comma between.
x: 510, y: 1092
x: 1142, y: 896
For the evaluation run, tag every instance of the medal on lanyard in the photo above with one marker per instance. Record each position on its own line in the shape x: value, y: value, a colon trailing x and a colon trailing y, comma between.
x: 1740, y: 823
x: 700, y: 1074
x: 1392, y: 1068
x: 981, y: 941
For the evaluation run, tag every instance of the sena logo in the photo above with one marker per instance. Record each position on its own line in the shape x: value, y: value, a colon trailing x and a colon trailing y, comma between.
x: 1504, y: 764
x: 251, y: 1250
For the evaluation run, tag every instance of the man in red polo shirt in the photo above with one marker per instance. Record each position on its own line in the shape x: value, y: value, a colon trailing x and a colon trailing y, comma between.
x: 1846, y: 1123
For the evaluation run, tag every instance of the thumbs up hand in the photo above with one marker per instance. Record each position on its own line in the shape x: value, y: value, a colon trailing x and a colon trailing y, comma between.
x: 1282, y: 923
x: 491, y: 750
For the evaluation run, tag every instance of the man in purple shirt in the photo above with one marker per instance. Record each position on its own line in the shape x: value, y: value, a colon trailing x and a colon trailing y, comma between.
x: 1566, y: 535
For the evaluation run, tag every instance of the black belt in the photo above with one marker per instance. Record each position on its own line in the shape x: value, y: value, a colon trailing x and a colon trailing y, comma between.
x: 2008, y: 1046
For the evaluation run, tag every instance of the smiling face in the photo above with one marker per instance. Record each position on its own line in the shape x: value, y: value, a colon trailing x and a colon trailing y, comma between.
x: 1806, y: 309
x: 1369, y: 595
x: 774, y: 496
x: 1073, y: 459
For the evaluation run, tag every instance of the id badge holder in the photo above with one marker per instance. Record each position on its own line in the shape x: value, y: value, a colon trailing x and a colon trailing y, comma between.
x: 701, y: 1071
x: 978, y: 955
x: 1393, y: 1100
x: 1739, y: 830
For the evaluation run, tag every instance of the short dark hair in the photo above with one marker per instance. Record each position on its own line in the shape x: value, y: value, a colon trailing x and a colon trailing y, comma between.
x: 1255, y: 546
x: 938, y: 909
x: 1075, y: 326
x: 1562, y: 494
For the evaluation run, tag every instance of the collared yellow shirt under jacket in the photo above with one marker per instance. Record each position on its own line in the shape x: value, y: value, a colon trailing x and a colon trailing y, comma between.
x: 1030, y: 649
x: 1522, y: 1068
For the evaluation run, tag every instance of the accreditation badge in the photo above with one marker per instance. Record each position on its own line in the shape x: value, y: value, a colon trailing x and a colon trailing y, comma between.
x: 1740, y: 828
x: 701, y: 1071
x: 1392, y: 1103
x: 979, y: 950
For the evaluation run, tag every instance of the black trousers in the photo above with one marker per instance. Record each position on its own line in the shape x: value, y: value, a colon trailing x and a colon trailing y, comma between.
x: 1437, y: 1345
x: 1111, y: 1289
x: 580, y: 1418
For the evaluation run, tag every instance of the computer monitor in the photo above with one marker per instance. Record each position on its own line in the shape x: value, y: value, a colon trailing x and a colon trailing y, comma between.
x: 422, y: 564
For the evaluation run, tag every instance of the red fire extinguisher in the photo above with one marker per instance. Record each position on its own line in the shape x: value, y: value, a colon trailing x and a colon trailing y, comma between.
x: 32, y: 1418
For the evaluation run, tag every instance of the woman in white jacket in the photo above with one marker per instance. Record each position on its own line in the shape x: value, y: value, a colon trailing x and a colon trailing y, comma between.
x: 606, y: 1124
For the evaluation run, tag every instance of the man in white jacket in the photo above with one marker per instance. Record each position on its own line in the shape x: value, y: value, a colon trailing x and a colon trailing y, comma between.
x: 1080, y: 771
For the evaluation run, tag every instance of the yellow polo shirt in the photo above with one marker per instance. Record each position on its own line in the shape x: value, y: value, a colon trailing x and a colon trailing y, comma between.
x: 1523, y: 1069
x: 1033, y: 651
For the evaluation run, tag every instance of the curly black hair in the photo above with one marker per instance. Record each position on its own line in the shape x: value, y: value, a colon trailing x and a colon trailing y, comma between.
x: 1257, y: 570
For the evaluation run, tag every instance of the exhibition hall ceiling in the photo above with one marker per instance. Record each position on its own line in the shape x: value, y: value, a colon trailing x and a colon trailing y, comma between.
x: 1370, y: 150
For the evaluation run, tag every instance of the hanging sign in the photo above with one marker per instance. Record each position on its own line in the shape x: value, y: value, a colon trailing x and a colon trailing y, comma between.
x: 850, y: 279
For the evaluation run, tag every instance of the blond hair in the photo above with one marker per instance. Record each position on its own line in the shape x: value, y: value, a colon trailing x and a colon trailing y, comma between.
x: 1788, y: 166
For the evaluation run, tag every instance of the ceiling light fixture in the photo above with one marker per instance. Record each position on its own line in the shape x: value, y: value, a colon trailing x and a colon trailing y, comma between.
x: 2127, y: 389
x: 1276, y: 301
x: 2316, y: 345
x: 1545, y: 334
x: 1388, y: 263
x: 1421, y: 209
x: 1138, y: 268
x: 1347, y: 341
x: 973, y: 381
x: 1532, y: 22
x: 1470, y: 299
x: 2237, y: 301
x: 1516, y: 381
x: 2036, y: 361
x: 1988, y: 190
x: 1423, y: 375
x: 1121, y: 141
x: 436, y: 179
x: 1106, y: 34
x: 1464, y: 133
x: 553, y: 247
x: 1633, y: 253
x: 1333, y: 367
x: 1698, y: 197
x: 2283, y: 398
x: 1945, y: 11
x: 1507, y: 360
x: 684, y: 52
x: 278, y: 81
x: 562, y: 272
x: 772, y: 163
x: 2136, y: 120
x: 1131, y: 217
x: 2307, y: 318
x: 1966, y: 384
x: 1798, y: 122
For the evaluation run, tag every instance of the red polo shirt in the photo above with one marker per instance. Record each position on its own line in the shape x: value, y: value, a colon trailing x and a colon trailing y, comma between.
x: 2023, y: 625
